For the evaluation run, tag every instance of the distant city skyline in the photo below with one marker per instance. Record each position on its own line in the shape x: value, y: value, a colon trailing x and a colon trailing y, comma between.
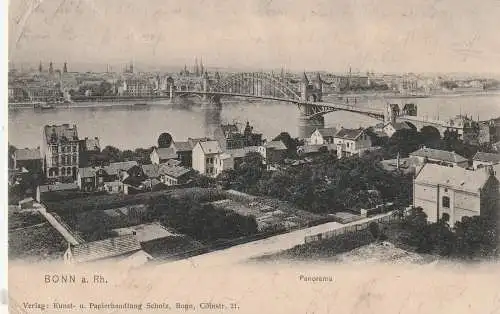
x: 414, y: 36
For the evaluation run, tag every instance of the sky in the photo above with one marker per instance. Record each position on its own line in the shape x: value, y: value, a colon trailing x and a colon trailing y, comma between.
x: 381, y: 36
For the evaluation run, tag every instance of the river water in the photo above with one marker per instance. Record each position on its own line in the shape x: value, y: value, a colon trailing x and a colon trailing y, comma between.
x: 128, y: 127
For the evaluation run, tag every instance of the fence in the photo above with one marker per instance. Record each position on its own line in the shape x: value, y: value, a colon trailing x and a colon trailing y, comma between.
x: 353, y: 229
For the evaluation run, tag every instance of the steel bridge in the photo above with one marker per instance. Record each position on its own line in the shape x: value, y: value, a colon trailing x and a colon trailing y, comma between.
x: 306, y: 95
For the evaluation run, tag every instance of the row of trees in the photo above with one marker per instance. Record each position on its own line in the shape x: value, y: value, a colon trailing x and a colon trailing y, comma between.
x: 471, y: 237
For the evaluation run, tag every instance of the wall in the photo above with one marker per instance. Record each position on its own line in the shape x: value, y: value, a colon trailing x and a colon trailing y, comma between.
x: 198, y: 159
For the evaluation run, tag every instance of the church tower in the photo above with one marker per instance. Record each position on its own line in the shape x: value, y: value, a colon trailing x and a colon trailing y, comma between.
x: 40, y: 68
x: 65, y: 67
x: 51, y: 68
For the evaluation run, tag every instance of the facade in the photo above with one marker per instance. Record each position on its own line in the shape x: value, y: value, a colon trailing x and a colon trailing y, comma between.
x: 204, y: 156
x: 223, y: 161
x: 184, y: 152
x: 481, y: 160
x: 161, y: 155
x: 91, y: 179
x: 174, y: 175
x: 323, y: 136
x: 30, y: 159
x: 89, y: 151
x: 273, y: 152
x: 349, y: 142
x: 441, y: 157
x: 230, y: 137
x: 391, y: 128
x: 456, y: 191
x: 60, y: 152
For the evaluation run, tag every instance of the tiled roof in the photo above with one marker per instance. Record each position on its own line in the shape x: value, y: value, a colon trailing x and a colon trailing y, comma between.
x: 210, y: 147
x: 166, y: 153
x: 27, y: 154
x: 57, y: 133
x: 349, y: 134
x: 487, y: 157
x: 111, y: 247
x: 151, y: 171
x: 114, y: 167
x: 171, y: 162
x: 436, y: 154
x: 241, y: 152
x: 194, y: 141
x: 182, y: 146
x: 327, y: 132
x: 173, y: 171
x: 146, y: 232
x: 276, y: 145
x: 455, y: 177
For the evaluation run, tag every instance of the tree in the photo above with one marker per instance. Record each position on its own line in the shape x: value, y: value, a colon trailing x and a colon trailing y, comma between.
x: 430, y: 135
x: 164, y: 140
x: 404, y: 141
x: 112, y: 154
x: 290, y: 143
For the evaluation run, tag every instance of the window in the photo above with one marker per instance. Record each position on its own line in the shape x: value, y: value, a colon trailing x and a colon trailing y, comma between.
x: 446, y: 202
x: 74, y: 159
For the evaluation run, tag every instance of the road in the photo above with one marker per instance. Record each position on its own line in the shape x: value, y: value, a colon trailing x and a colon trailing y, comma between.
x: 244, y: 252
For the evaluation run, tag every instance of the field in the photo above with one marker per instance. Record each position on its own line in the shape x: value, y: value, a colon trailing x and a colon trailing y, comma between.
x: 37, y: 242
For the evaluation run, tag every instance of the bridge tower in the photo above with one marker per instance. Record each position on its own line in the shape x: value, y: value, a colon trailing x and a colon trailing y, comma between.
x: 318, y: 88
x: 304, y: 88
x: 308, y: 122
x: 206, y: 85
x: 392, y: 112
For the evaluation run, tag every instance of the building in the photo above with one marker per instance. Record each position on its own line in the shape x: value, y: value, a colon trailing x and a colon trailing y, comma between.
x: 273, y: 152
x: 456, y: 192
x: 60, y: 152
x: 91, y: 179
x: 184, y: 152
x: 161, y: 155
x: 90, y: 150
x: 174, y: 175
x: 29, y: 159
x: 58, y: 187
x: 440, y: 157
x: 390, y: 128
x: 223, y: 161
x: 323, y: 136
x: 481, y: 159
x: 349, y: 142
x: 204, y: 156
x: 230, y: 137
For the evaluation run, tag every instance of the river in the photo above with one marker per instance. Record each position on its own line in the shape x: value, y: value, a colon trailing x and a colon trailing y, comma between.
x: 128, y: 127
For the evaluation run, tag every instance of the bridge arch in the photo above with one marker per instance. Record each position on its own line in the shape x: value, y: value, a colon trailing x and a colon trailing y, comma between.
x: 256, y: 84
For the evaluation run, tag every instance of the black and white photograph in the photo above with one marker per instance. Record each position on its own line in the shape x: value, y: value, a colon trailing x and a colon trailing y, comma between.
x: 249, y: 156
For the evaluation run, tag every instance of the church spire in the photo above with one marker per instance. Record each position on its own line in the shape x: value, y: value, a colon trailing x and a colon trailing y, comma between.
x: 40, y: 68
x: 202, y: 70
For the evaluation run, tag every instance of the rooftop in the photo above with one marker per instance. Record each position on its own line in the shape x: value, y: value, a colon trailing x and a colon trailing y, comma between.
x: 115, y: 167
x: 111, y: 247
x: 146, y: 232
x: 58, y: 133
x: 276, y: 145
x: 173, y: 171
x: 454, y: 177
x: 441, y: 155
x: 87, y: 172
x: 27, y: 154
x: 151, y: 170
x: 350, y: 134
x: 210, y: 147
x: 166, y: 153
x: 327, y: 132
x: 487, y: 157
x: 182, y: 146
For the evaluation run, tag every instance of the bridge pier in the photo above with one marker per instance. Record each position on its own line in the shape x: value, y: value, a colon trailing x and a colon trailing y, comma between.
x: 308, y: 122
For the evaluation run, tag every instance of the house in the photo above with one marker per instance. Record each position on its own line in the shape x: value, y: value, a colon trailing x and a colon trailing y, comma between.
x: 230, y: 137
x: 456, y: 192
x: 115, y: 187
x: 160, y: 155
x: 114, y: 247
x: 273, y: 152
x: 223, y: 161
x: 204, y: 155
x: 349, y: 142
x: 151, y: 171
x: 323, y: 136
x: 441, y: 157
x: 30, y: 159
x: 42, y: 189
x: 118, y: 171
x: 481, y: 159
x: 184, y: 152
x: 174, y: 175
x: 391, y: 128
x: 60, y: 152
x: 91, y: 179
x: 90, y: 150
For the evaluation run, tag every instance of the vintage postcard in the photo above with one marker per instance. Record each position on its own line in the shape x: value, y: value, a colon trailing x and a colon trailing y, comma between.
x: 253, y: 156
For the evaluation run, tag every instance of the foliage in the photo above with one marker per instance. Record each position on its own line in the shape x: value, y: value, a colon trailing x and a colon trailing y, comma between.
x: 113, y: 154
x: 164, y: 140
x: 290, y: 143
